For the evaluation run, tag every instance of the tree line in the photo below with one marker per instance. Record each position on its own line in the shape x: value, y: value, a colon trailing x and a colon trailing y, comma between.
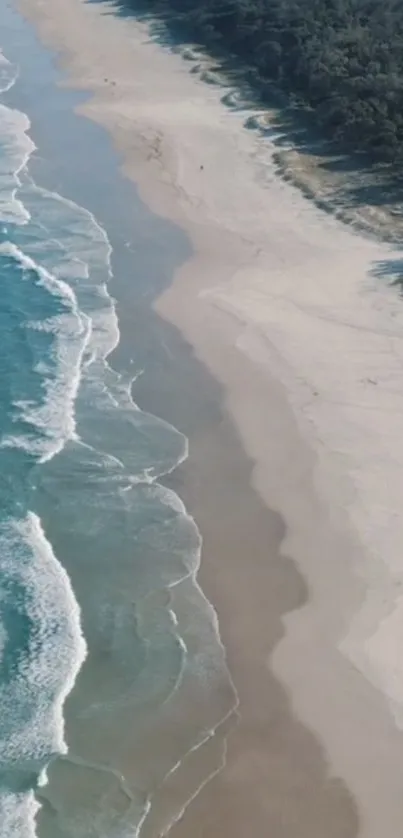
x: 343, y: 59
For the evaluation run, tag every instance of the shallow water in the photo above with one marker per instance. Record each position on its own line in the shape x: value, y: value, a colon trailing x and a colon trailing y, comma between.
x: 99, y: 599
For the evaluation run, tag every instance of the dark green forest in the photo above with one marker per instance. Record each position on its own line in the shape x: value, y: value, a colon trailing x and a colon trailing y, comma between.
x: 342, y: 59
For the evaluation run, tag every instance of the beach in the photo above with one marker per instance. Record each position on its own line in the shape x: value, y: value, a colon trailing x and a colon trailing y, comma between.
x: 284, y: 374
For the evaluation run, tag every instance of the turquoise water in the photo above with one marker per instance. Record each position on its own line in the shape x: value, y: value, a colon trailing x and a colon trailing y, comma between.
x: 43, y: 339
x: 104, y: 632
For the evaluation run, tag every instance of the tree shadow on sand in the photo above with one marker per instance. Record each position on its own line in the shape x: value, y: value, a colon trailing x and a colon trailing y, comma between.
x: 358, y: 182
x: 391, y: 270
x: 306, y: 795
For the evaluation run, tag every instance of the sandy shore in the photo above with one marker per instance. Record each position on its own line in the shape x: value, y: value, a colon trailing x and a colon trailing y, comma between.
x: 296, y: 478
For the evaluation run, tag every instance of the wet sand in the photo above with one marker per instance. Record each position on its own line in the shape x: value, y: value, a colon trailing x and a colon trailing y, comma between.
x: 277, y: 781
x: 278, y: 479
x: 282, y: 778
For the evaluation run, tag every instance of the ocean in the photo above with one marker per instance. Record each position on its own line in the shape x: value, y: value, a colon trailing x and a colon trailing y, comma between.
x: 110, y: 654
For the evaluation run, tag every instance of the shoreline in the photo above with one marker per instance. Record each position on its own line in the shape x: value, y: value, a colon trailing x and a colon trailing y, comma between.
x: 352, y: 187
x: 195, y: 703
x: 230, y: 340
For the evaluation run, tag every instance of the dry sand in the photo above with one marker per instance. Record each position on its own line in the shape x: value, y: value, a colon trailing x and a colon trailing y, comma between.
x: 296, y: 317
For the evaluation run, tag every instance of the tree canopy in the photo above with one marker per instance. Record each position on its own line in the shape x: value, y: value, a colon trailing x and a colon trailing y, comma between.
x: 342, y: 58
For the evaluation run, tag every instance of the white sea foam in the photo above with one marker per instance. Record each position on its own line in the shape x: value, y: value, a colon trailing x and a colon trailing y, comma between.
x: 51, y: 283
x: 8, y: 73
x: 16, y: 148
x: 32, y: 688
x: 35, y: 592
x: 81, y: 255
x: 28, y: 564
x: 54, y: 416
x: 17, y: 814
x: 88, y: 274
x: 71, y: 258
